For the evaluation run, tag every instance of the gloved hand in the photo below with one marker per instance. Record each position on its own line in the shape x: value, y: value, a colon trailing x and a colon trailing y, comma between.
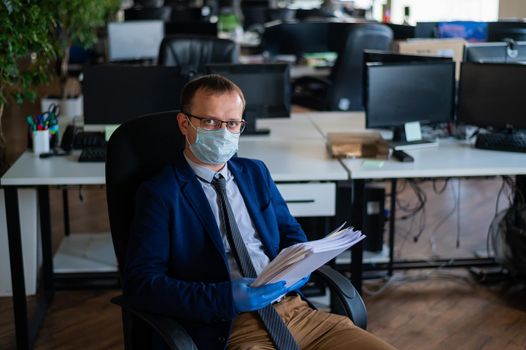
x: 299, y: 284
x: 247, y: 298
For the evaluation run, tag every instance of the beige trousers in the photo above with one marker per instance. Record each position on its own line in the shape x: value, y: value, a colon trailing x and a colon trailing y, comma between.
x: 310, y: 328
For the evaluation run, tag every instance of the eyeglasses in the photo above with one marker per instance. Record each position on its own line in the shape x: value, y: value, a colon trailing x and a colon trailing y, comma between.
x: 207, y: 123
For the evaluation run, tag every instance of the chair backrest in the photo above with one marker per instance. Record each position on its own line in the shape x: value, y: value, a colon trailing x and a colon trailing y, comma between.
x: 193, y: 52
x: 137, y: 150
x: 345, y: 91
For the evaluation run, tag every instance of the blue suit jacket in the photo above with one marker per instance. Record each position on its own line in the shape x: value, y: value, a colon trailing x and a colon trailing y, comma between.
x: 176, y: 263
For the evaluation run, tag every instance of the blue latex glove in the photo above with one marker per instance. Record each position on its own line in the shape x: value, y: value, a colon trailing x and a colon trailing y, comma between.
x: 247, y: 298
x: 299, y: 284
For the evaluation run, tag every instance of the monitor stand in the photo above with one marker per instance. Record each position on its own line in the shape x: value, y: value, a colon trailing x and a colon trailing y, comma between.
x: 400, y: 141
x: 250, y: 128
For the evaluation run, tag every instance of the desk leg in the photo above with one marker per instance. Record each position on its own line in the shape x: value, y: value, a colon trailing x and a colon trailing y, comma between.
x: 357, y: 223
x: 65, y: 207
x: 392, y: 218
x: 17, y: 267
x: 27, y: 329
x: 47, y: 249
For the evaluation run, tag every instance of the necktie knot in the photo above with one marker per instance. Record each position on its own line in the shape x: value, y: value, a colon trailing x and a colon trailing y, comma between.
x: 219, y: 183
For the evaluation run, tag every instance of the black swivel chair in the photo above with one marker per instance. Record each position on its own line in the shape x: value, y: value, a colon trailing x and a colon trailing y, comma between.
x: 193, y: 52
x: 137, y: 150
x: 342, y: 91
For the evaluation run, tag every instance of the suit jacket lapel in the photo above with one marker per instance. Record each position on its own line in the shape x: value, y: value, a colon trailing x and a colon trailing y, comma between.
x: 193, y: 192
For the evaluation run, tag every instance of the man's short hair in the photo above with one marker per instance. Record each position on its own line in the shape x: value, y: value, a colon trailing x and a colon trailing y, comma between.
x: 213, y: 83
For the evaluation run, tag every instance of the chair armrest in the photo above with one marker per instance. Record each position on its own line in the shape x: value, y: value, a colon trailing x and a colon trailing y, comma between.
x: 346, y: 295
x: 173, y: 334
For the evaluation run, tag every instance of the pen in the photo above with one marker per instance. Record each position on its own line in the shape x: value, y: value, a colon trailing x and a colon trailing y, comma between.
x: 31, y: 123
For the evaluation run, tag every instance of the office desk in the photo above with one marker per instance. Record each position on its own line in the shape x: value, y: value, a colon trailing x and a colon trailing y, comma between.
x: 32, y: 171
x: 451, y: 158
x: 305, y: 174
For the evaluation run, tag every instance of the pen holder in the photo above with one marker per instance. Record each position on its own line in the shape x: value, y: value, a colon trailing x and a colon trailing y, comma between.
x: 41, y: 141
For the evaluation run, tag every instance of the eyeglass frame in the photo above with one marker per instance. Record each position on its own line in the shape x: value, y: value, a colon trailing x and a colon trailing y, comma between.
x: 221, y: 122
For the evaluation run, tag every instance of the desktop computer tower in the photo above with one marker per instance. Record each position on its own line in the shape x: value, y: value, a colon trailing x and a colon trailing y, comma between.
x: 374, y: 217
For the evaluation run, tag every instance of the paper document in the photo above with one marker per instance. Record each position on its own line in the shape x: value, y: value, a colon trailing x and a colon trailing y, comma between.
x: 297, y: 261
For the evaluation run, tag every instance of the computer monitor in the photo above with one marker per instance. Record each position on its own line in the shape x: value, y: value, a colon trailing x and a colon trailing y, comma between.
x: 400, y: 93
x: 191, y: 27
x: 402, y: 31
x: 114, y: 94
x: 266, y: 88
x: 379, y: 56
x: 499, y: 31
x: 490, y: 95
x: 134, y: 40
x: 469, y: 30
x: 393, y: 57
x: 496, y: 52
x: 426, y: 30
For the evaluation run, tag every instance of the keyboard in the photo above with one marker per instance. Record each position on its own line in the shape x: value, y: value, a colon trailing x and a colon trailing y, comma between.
x: 89, y: 139
x: 93, y: 154
x: 416, y: 144
x: 511, y: 142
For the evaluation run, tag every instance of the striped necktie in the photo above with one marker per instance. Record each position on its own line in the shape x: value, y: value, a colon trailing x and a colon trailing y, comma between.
x: 278, y: 331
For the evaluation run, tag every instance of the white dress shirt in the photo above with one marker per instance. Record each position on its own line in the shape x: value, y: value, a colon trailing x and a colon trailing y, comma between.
x: 243, y: 220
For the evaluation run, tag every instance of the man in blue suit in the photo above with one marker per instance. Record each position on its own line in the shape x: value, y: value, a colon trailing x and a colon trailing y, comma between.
x: 180, y: 261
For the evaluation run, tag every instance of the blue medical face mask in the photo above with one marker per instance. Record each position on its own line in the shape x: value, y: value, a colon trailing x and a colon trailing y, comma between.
x: 214, y: 146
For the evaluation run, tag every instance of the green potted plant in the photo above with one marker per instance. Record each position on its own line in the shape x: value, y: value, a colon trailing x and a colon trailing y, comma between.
x: 77, y: 23
x: 26, y: 53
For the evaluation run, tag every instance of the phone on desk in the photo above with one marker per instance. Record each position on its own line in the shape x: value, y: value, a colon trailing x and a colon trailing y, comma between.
x: 69, y: 137
x: 75, y: 138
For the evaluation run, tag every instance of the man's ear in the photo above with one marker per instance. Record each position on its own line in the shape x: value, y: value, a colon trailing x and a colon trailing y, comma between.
x: 182, y: 121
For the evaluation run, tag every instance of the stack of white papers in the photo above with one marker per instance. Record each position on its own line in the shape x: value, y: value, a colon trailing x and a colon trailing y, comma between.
x: 297, y: 261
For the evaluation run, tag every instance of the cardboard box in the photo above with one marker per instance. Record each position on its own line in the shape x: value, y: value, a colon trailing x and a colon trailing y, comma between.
x: 453, y: 48
x: 364, y: 144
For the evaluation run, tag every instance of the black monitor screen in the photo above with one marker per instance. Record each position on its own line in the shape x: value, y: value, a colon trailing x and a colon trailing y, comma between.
x: 401, y: 93
x: 491, y: 95
x: 114, y: 94
x: 497, y: 52
x: 190, y: 28
x: 498, y: 31
x: 393, y: 57
x: 266, y: 87
x: 426, y: 29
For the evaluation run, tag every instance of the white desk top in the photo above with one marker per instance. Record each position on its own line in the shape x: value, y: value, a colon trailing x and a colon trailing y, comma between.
x: 296, y: 151
x: 298, y: 71
x: 450, y: 159
x: 303, y: 158
x: 327, y: 122
x: 31, y: 170
x: 295, y: 160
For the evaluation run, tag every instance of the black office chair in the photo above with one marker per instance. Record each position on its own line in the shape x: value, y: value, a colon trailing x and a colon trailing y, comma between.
x: 193, y: 52
x: 342, y: 91
x: 137, y: 150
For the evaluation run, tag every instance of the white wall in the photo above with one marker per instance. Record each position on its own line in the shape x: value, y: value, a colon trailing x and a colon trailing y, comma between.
x: 512, y: 9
